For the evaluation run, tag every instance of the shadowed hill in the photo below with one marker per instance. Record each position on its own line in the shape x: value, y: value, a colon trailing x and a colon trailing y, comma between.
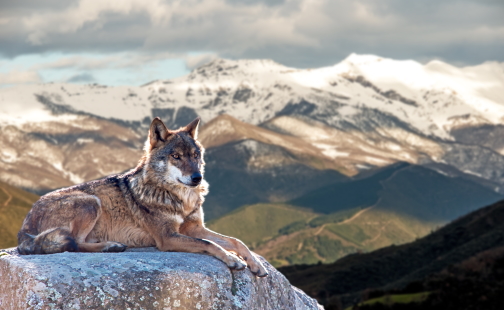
x: 396, y: 266
x: 14, y: 205
x: 410, y: 190
x: 427, y: 195
x: 358, y: 192
x: 475, y: 283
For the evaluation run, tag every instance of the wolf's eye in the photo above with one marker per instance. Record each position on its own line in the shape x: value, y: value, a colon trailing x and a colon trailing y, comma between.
x: 196, y: 155
x: 176, y: 156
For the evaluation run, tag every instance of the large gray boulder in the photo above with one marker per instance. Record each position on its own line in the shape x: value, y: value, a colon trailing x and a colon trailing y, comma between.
x: 139, y: 279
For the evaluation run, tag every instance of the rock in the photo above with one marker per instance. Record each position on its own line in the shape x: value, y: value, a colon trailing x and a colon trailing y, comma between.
x: 139, y: 279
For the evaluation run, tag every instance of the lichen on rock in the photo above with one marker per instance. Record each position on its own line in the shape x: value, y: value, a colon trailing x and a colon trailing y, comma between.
x: 140, y: 279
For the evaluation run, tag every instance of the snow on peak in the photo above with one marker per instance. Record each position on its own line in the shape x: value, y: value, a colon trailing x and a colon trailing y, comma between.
x: 426, y: 97
x: 441, y: 67
x: 362, y: 59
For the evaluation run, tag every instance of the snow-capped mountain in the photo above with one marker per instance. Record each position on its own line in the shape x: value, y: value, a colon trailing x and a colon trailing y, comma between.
x: 364, y: 112
x: 431, y: 99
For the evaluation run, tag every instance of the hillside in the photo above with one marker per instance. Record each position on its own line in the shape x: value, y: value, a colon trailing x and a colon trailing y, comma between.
x: 225, y: 129
x: 42, y: 156
x: 396, y: 266
x: 410, y: 190
x: 249, y: 172
x: 288, y: 235
x: 475, y: 283
x: 255, y: 224
x: 14, y: 205
x: 360, y: 215
x: 278, y: 162
x: 363, y: 191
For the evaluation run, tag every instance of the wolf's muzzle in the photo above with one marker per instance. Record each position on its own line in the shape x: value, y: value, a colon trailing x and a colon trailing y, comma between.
x: 196, y: 178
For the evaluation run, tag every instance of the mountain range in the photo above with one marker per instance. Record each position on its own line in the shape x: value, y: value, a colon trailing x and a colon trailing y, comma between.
x: 353, y: 157
x: 362, y: 113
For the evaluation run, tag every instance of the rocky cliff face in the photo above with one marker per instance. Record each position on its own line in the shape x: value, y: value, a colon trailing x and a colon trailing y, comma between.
x: 139, y: 279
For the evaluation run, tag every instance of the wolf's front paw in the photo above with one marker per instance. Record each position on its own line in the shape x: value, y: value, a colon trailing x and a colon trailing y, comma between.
x: 113, y: 246
x: 234, y: 262
x: 257, y: 267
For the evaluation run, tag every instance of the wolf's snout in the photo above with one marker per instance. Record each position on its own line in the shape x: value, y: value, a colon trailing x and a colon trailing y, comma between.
x: 196, y: 177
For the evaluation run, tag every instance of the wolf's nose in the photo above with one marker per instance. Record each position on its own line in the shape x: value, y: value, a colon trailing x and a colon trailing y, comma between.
x: 196, y: 177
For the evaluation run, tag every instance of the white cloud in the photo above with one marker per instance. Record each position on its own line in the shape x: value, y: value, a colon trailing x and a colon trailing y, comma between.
x: 41, y: 25
x: 297, y: 33
x: 19, y: 77
x: 229, y: 26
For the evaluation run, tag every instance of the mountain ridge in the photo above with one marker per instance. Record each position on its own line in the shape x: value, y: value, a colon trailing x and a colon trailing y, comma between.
x: 245, y: 75
x: 389, y: 110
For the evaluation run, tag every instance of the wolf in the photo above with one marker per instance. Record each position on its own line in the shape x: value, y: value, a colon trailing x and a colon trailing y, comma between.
x: 157, y: 203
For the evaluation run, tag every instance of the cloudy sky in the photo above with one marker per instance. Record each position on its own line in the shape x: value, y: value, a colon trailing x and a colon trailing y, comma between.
x: 131, y: 42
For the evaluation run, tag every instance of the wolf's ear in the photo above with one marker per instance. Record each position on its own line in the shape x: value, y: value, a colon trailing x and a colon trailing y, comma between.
x: 158, y: 132
x: 192, y: 128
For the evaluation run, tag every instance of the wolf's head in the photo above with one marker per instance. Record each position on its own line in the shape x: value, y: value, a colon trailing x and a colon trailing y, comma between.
x: 173, y: 157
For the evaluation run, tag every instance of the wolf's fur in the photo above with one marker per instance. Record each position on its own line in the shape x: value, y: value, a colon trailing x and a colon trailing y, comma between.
x: 158, y: 203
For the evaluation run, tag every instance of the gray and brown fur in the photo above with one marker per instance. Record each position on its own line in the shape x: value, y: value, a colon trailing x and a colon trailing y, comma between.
x: 158, y: 203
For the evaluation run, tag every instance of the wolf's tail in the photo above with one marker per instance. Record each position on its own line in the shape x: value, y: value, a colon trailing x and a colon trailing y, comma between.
x: 54, y: 240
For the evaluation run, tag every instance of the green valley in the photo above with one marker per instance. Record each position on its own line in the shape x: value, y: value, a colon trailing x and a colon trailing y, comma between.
x: 393, y: 206
x: 257, y: 224
x: 288, y: 235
